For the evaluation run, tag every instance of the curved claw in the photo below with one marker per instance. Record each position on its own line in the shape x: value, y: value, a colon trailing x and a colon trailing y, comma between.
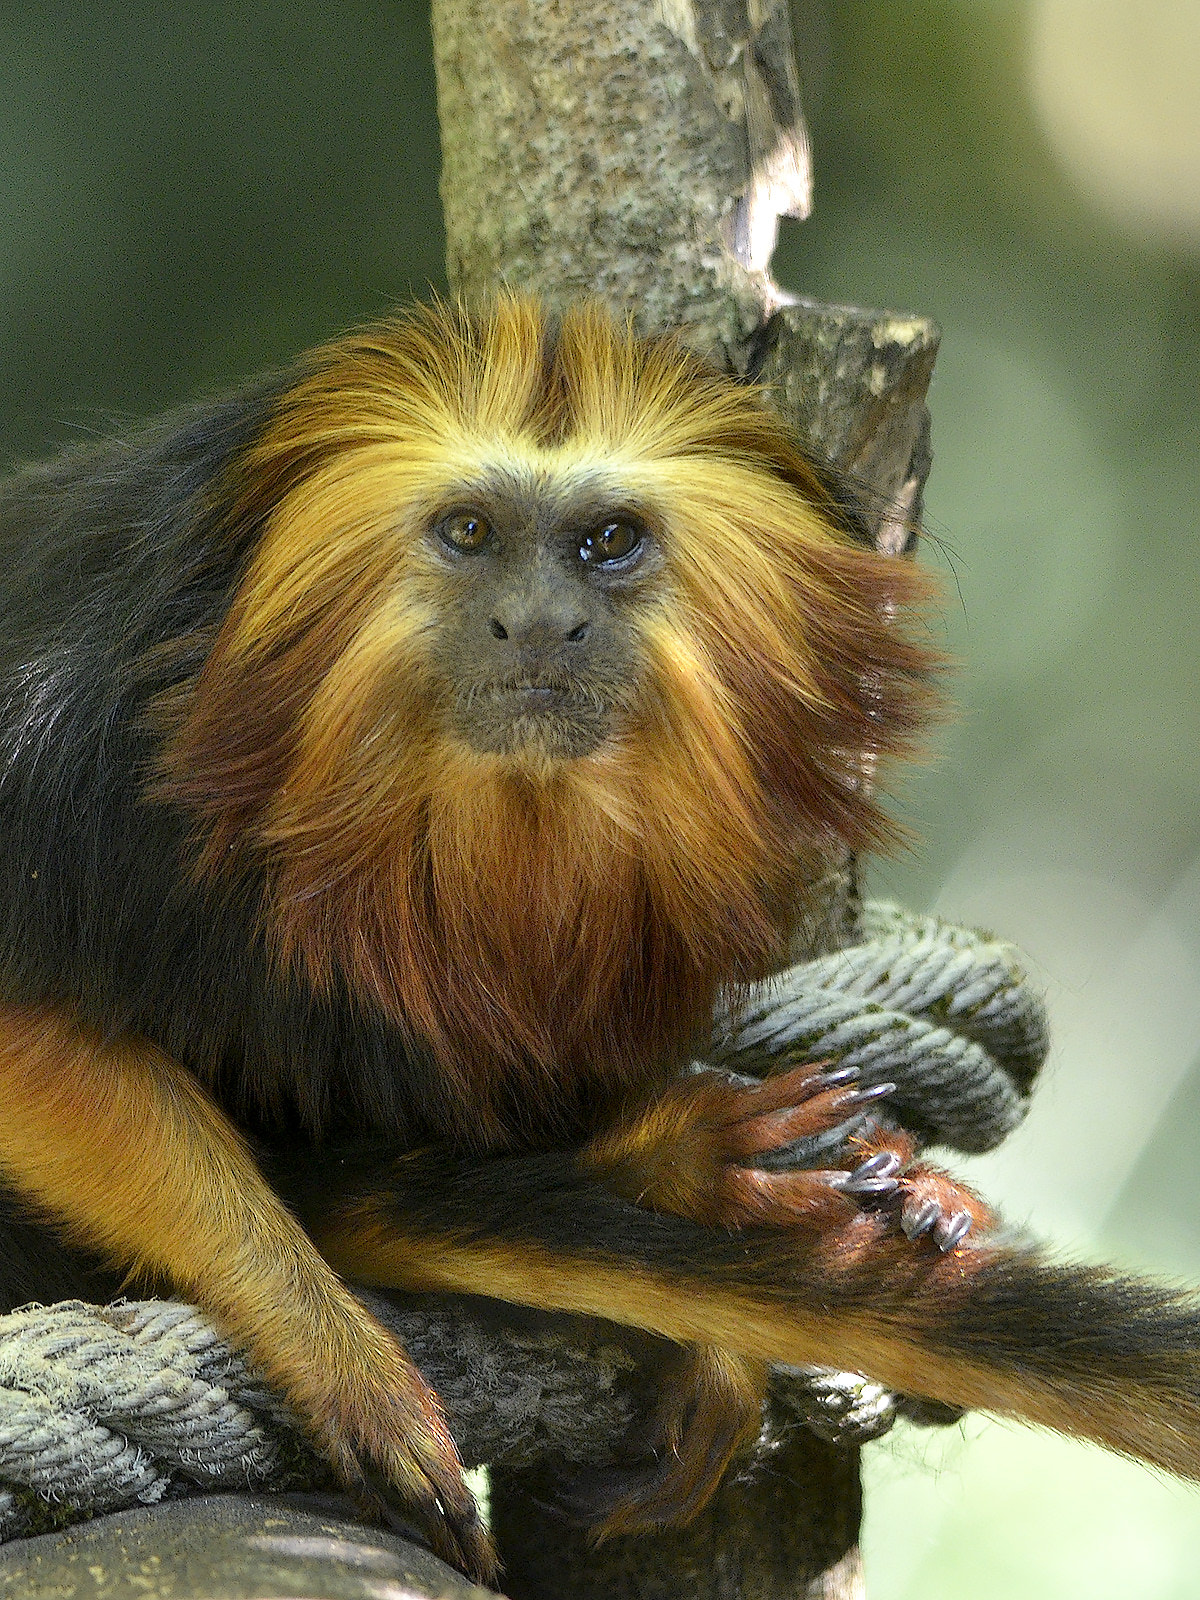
x: 454, y: 1531
x: 884, y: 1165
x: 875, y: 1177
x: 864, y: 1097
x: 925, y: 1202
x: 384, y: 1432
x: 837, y: 1078
x: 877, y: 1188
x: 950, y: 1231
x: 916, y: 1220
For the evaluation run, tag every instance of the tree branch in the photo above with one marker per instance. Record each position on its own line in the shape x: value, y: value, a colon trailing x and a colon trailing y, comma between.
x: 642, y: 151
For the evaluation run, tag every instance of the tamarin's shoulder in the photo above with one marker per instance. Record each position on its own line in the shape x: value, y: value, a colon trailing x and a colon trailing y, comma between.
x: 101, y: 517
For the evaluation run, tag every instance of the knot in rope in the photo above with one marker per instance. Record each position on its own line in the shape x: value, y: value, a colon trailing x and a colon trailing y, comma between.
x: 944, y: 1012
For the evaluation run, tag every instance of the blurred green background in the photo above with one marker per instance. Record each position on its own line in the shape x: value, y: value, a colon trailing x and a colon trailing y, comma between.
x: 189, y: 194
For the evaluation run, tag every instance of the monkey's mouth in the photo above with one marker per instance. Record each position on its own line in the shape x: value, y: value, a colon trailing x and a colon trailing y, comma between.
x: 539, y: 694
x: 555, y: 717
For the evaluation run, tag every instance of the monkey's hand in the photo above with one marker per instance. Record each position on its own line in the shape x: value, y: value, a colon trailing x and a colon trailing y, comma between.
x: 739, y: 1153
x: 123, y: 1147
x: 796, y: 1148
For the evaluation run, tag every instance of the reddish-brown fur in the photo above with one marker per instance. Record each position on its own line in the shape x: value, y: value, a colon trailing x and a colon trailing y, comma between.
x: 543, y: 924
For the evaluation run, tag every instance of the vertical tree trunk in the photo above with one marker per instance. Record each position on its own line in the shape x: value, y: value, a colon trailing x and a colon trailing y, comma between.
x: 790, y: 1531
x: 642, y: 151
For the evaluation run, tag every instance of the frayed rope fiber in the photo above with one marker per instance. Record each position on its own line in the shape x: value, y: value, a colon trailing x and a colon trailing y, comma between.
x: 107, y: 1407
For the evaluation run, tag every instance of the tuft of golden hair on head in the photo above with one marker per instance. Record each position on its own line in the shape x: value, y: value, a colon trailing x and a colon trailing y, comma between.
x: 536, y: 920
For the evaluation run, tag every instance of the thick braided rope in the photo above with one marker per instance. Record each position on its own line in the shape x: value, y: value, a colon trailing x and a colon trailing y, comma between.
x: 102, y: 1408
x: 943, y: 1012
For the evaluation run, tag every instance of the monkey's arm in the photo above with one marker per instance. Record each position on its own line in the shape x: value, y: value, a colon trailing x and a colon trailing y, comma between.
x: 823, y: 1274
x: 122, y: 1147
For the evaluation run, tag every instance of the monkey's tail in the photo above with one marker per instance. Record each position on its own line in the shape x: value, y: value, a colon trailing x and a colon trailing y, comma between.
x: 981, y: 1325
x: 1082, y: 1350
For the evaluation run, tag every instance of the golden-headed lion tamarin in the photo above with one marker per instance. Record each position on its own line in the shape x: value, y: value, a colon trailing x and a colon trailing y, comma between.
x: 402, y: 758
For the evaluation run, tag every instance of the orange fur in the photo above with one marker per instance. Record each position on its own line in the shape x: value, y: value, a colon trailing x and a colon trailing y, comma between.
x: 470, y: 895
x: 124, y: 1148
x: 1154, y: 1417
x: 554, y: 922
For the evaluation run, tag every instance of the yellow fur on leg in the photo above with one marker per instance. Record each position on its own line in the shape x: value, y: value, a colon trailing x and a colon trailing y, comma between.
x: 123, y: 1148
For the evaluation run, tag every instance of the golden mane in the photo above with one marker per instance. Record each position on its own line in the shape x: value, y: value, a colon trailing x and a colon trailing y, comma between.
x: 574, y: 921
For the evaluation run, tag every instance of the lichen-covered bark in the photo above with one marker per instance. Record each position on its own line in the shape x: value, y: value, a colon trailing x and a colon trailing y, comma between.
x: 635, y: 150
x: 643, y: 151
x: 853, y: 383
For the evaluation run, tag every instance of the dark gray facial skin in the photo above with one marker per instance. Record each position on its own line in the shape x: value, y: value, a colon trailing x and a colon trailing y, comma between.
x: 537, y: 643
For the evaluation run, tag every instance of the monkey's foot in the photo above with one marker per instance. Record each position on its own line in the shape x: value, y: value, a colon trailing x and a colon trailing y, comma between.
x: 709, y: 1410
x: 926, y: 1202
x: 381, y: 1426
x: 738, y: 1153
x: 875, y: 1169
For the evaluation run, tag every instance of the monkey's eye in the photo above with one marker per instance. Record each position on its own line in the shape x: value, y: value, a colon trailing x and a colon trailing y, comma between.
x: 464, y: 530
x: 616, y: 541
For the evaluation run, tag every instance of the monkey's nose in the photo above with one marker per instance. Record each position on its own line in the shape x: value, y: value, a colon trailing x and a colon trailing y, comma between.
x: 540, y: 633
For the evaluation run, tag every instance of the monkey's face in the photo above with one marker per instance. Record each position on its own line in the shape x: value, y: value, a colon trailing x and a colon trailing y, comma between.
x: 551, y: 676
x: 534, y: 636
